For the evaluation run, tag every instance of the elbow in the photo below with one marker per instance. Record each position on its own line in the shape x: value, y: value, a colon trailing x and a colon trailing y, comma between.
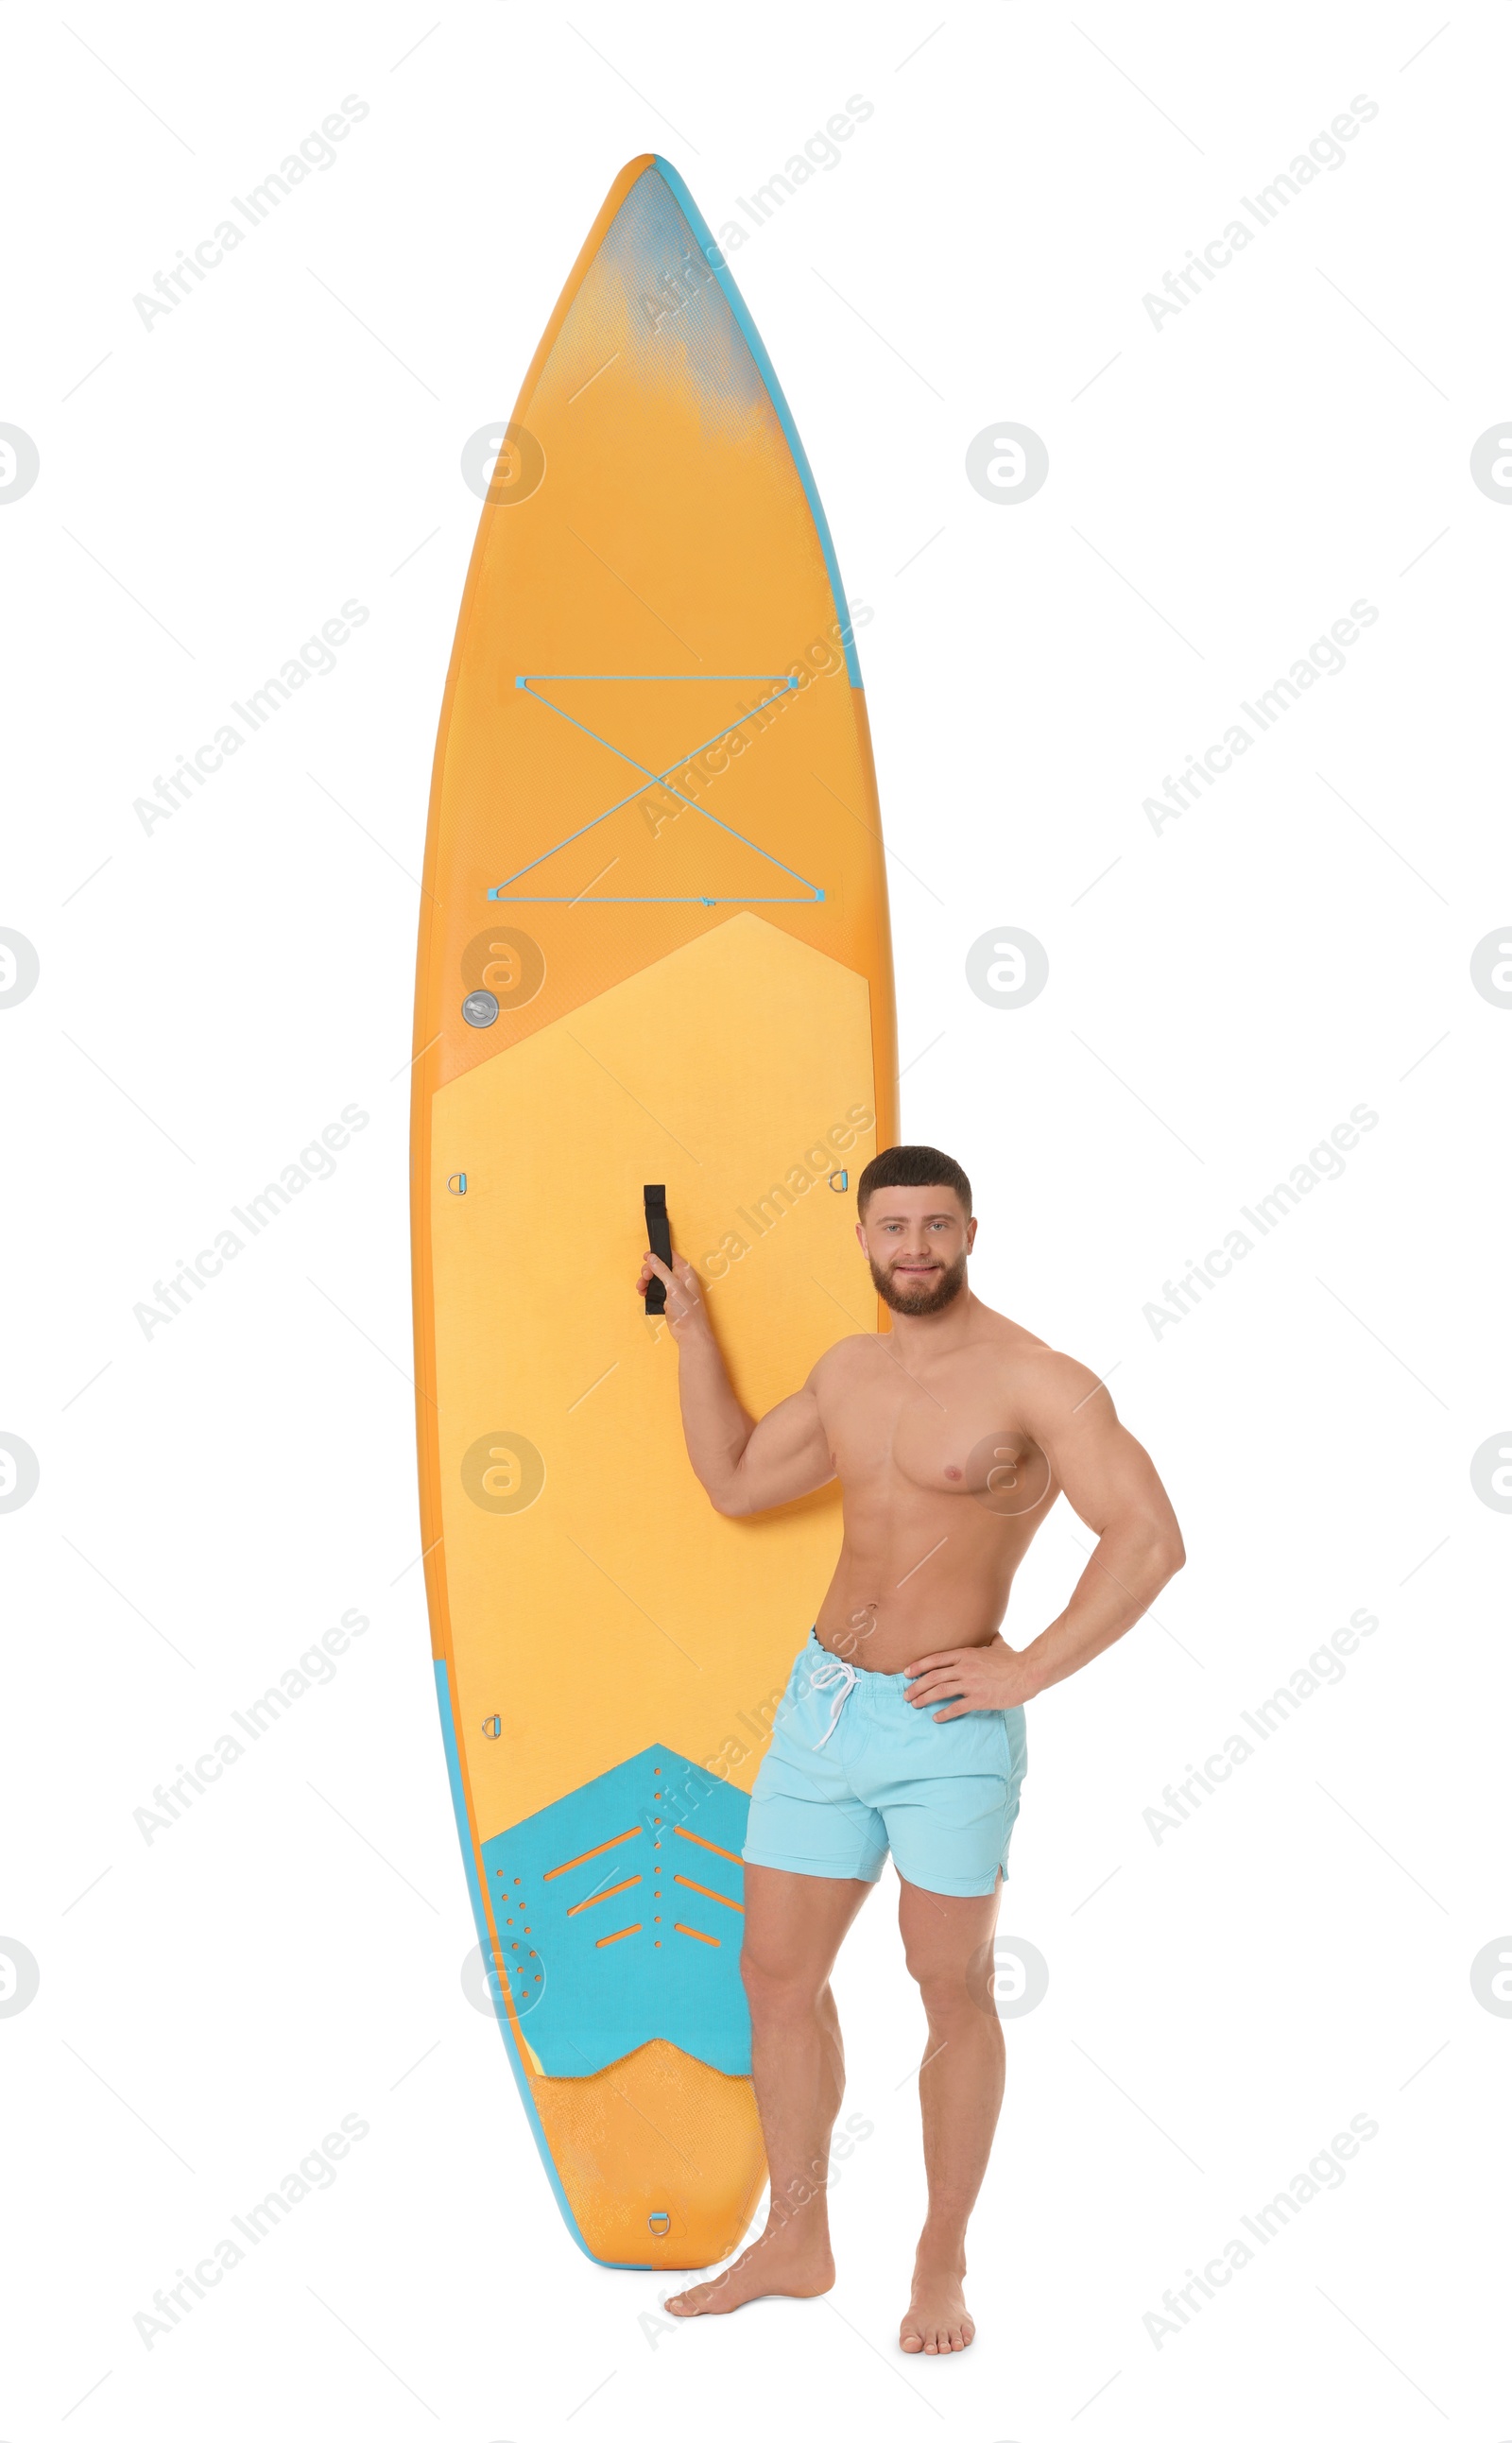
x: 1155, y: 1544
x: 1170, y: 1553
x: 729, y: 1500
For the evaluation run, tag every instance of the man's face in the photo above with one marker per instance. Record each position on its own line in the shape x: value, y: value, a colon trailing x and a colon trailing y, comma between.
x: 916, y: 1241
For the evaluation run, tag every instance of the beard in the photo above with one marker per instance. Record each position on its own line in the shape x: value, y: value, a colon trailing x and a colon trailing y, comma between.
x: 923, y: 1298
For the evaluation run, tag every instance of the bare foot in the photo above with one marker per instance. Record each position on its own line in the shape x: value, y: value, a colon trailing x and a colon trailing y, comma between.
x: 937, y: 2322
x: 784, y: 2263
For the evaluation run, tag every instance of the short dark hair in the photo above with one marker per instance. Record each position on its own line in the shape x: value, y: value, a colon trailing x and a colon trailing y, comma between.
x: 913, y: 1166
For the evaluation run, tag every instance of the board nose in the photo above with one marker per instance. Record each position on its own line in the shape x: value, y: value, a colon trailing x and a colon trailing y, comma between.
x: 655, y: 286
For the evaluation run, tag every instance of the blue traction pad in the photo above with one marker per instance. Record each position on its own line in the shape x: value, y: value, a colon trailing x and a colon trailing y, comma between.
x: 620, y: 1911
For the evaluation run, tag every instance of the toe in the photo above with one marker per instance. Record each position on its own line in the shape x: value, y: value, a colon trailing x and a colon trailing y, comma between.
x: 912, y: 2341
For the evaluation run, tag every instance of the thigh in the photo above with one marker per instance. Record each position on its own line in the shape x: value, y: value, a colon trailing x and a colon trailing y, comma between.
x: 945, y: 1936
x: 796, y: 1924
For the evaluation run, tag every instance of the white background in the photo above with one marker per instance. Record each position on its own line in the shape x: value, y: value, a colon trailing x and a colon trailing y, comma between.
x: 215, y: 991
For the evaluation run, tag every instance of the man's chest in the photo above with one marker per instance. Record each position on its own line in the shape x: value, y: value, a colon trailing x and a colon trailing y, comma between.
x: 953, y: 1433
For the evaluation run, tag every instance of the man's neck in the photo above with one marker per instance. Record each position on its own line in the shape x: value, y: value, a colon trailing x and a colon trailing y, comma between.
x: 922, y: 1337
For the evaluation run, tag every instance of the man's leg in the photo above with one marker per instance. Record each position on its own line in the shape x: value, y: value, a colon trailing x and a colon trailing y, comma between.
x: 960, y: 2091
x: 794, y: 1927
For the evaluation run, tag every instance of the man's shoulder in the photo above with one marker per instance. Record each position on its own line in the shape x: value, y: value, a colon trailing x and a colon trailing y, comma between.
x: 847, y: 1359
x: 1032, y: 1367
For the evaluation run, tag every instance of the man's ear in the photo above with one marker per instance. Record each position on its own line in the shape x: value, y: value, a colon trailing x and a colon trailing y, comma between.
x: 971, y: 1234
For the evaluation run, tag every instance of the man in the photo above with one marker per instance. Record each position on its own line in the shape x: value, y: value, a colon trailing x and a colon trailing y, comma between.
x: 902, y: 1726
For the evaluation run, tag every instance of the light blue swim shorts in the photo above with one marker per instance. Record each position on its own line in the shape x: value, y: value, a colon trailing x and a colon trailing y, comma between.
x: 854, y: 1771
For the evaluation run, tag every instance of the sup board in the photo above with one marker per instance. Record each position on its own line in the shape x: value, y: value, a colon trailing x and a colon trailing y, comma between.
x: 654, y: 953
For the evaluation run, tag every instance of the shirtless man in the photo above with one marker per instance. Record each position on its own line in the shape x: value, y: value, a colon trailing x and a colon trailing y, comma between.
x: 902, y: 1726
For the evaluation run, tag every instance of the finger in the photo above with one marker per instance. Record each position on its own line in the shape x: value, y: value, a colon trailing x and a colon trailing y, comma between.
x: 946, y: 1684
x: 661, y: 1271
x: 928, y: 1682
x: 934, y: 1662
x: 950, y: 1713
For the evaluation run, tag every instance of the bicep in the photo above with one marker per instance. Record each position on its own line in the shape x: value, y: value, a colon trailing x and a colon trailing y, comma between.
x: 787, y: 1455
x: 1104, y: 1473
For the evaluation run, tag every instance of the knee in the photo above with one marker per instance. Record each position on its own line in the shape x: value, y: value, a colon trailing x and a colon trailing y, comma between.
x: 779, y: 1989
x: 943, y: 1988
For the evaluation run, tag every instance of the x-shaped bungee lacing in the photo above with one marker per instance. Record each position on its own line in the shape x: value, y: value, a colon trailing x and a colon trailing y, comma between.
x: 781, y: 684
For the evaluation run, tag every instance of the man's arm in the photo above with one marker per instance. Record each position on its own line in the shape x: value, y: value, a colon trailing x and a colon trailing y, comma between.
x: 1111, y: 1483
x: 743, y: 1466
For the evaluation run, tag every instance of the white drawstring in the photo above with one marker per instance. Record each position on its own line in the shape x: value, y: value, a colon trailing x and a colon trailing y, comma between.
x: 839, y: 1676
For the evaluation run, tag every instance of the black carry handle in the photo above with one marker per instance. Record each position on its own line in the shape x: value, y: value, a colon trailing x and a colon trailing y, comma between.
x: 659, y: 1237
